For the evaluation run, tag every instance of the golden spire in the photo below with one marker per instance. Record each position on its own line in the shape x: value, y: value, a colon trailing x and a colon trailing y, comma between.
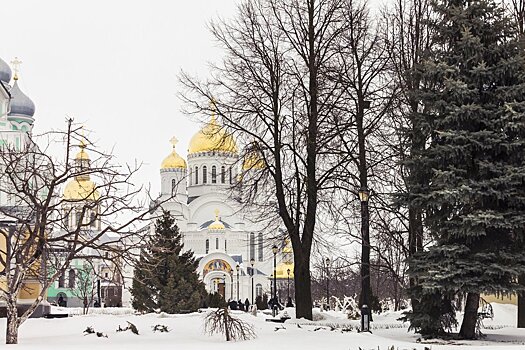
x: 16, y: 67
x: 216, y: 214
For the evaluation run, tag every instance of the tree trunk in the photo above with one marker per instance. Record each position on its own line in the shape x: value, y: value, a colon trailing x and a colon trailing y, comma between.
x: 366, y: 291
x: 468, y: 327
x: 11, y: 336
x: 521, y: 303
x: 303, y: 288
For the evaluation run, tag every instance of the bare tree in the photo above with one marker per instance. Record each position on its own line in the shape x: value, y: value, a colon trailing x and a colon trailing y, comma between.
x: 272, y: 89
x: 43, y: 228
x: 220, y: 321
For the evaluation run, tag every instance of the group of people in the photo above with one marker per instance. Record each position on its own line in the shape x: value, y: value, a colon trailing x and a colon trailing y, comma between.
x: 239, y: 305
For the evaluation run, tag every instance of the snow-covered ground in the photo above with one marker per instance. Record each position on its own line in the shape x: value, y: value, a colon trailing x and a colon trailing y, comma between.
x: 187, y: 332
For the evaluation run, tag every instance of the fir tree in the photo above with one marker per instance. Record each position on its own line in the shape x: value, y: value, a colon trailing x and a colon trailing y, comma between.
x: 166, y: 279
x: 475, y: 200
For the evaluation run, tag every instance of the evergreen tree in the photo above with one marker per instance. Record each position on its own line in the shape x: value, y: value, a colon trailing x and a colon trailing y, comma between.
x: 166, y: 279
x: 475, y: 200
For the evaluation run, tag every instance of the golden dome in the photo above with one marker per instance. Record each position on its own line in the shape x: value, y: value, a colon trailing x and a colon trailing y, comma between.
x: 212, y: 137
x: 217, y: 224
x: 252, y: 161
x: 82, y: 155
x: 173, y: 161
x: 81, y: 189
x: 282, y: 270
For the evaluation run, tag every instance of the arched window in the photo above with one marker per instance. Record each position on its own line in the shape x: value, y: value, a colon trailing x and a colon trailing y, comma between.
x: 93, y: 219
x: 258, y: 290
x: 66, y: 219
x: 196, y: 175
x: 71, y: 279
x: 260, y: 243
x: 204, y: 174
x: 214, y: 174
x: 217, y: 243
x: 207, y: 246
x: 225, y: 246
x: 78, y: 218
x: 231, y: 176
x: 252, y: 245
x: 61, y: 281
x: 190, y: 176
x: 173, y: 185
x: 223, y: 174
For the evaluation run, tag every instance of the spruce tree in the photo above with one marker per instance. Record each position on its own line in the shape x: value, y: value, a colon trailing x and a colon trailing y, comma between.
x: 165, y: 279
x: 475, y: 201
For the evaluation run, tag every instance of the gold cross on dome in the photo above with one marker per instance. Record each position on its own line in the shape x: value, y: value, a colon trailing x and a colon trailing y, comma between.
x: 174, y: 141
x: 16, y: 66
x: 216, y: 214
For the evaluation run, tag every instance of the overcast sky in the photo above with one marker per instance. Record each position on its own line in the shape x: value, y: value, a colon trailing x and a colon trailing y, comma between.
x: 113, y: 65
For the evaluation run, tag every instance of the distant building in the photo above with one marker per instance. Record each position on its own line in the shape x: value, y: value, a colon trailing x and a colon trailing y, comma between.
x: 16, y: 123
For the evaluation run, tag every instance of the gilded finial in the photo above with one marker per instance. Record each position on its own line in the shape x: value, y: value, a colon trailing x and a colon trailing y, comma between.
x: 216, y: 214
x: 174, y: 141
x: 83, y: 143
x: 16, y: 67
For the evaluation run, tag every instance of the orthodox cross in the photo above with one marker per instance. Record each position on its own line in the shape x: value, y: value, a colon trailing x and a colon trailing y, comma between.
x: 16, y: 67
x: 174, y: 141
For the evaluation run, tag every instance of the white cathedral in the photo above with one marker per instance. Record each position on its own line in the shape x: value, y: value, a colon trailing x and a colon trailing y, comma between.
x: 230, y: 247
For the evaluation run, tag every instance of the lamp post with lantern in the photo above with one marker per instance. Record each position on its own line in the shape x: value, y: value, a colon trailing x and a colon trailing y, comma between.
x: 365, y: 260
x: 274, y: 304
x: 238, y: 268
x: 252, y: 262
x: 288, y: 298
x: 328, y: 283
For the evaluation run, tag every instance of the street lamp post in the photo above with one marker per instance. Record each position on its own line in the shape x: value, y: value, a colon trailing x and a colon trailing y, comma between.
x: 365, y: 260
x: 238, y: 268
x: 252, y: 262
x: 288, y: 299
x: 274, y: 306
x: 231, y: 284
x: 327, y: 284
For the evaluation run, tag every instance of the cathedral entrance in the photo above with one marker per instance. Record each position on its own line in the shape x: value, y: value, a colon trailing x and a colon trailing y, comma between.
x: 222, y: 289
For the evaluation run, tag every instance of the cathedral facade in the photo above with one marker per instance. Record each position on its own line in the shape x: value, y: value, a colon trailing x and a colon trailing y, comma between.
x: 235, y: 258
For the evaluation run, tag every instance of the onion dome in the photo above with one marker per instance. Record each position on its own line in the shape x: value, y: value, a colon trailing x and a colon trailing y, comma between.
x: 212, y: 137
x: 21, y: 105
x: 217, y: 224
x: 173, y: 161
x: 81, y: 188
x: 5, y: 72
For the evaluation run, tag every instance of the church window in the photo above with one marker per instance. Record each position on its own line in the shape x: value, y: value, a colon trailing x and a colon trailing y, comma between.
x: 230, y: 173
x: 223, y: 174
x: 66, y: 219
x: 173, y: 185
x: 78, y: 218
x: 260, y: 243
x: 217, y: 243
x: 196, y: 175
x: 204, y: 174
x: 71, y: 279
x: 190, y: 176
x: 258, y: 290
x: 93, y: 219
x: 252, y: 245
x: 207, y: 246
x: 61, y: 281
x: 214, y: 174
x: 225, y: 246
